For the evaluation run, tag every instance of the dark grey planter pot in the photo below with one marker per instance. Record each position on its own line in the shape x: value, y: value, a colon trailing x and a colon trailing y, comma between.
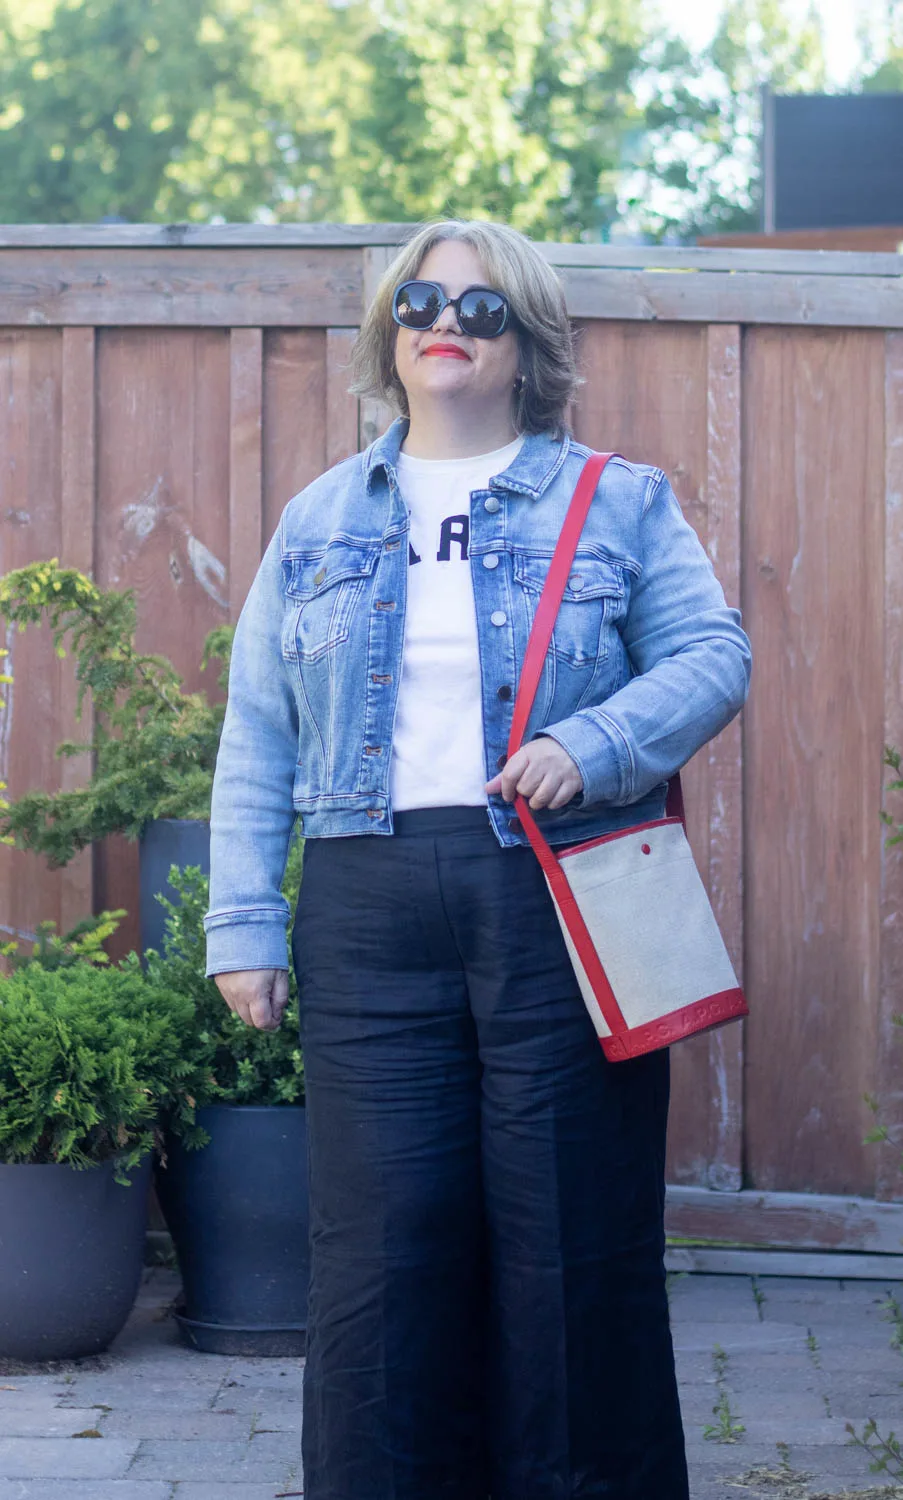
x: 238, y: 1214
x: 71, y: 1255
x: 166, y: 842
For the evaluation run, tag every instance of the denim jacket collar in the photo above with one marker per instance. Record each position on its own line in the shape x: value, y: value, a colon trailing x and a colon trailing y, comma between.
x: 531, y: 472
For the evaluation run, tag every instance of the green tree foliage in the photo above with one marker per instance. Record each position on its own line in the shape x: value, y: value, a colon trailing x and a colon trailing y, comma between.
x: 369, y: 109
x: 698, y: 164
x: 514, y: 109
x: 100, y: 100
x: 94, y: 1062
x: 558, y: 116
x: 881, y: 39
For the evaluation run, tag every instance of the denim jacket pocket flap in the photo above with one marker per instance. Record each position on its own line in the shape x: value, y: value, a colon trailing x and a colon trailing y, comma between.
x: 590, y: 577
x: 309, y: 574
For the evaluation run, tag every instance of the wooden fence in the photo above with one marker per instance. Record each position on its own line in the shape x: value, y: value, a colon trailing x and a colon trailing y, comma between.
x: 164, y: 391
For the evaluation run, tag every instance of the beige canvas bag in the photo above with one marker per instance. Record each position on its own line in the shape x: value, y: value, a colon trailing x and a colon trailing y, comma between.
x: 642, y: 937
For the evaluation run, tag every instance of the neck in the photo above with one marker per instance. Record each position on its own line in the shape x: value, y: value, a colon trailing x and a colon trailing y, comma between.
x: 439, y: 431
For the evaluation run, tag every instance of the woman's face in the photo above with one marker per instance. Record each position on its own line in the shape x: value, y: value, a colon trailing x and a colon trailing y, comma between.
x: 442, y: 363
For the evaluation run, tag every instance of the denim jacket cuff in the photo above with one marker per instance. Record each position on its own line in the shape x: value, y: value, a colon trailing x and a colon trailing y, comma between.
x: 600, y: 754
x: 245, y: 940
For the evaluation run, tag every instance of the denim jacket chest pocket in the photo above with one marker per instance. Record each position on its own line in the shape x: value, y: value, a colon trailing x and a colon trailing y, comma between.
x: 322, y: 588
x: 592, y: 605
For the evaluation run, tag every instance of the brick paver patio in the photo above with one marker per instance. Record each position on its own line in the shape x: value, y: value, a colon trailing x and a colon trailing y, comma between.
x: 786, y: 1363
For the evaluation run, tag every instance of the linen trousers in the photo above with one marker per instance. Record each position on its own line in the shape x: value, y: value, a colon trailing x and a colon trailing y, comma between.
x: 488, y: 1317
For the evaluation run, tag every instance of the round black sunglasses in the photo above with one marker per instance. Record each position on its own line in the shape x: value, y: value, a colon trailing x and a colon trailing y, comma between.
x: 481, y: 312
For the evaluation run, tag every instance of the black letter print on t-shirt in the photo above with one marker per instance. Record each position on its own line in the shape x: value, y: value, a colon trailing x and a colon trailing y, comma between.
x: 454, y: 529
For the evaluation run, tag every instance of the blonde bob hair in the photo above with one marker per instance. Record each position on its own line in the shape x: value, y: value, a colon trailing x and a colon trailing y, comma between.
x: 513, y: 266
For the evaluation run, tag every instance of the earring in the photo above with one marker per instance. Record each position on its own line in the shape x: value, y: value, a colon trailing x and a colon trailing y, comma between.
x: 519, y: 383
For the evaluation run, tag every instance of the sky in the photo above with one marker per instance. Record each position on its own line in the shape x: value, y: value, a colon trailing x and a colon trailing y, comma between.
x: 695, y: 21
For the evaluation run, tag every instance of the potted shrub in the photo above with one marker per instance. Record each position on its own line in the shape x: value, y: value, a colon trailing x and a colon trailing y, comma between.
x: 238, y: 1209
x: 154, y: 745
x: 94, y: 1060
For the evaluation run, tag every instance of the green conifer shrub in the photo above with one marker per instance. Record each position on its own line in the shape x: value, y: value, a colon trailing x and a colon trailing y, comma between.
x: 95, y: 1062
x: 247, y: 1066
x: 154, y: 745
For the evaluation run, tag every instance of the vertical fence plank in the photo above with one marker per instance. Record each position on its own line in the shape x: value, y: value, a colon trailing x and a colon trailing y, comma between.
x: 30, y: 431
x: 245, y: 462
x: 163, y: 404
x: 814, y: 478
x: 342, y: 415
x: 889, y: 1062
x: 77, y: 551
x: 725, y: 752
x: 375, y: 416
x: 294, y: 416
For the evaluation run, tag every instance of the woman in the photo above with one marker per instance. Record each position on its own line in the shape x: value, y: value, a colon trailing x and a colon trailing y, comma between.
x: 487, y: 1305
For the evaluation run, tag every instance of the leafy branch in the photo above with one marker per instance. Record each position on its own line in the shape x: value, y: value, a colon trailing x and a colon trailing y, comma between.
x: 154, y: 745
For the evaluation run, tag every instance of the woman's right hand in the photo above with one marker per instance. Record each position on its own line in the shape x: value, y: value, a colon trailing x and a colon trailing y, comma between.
x: 259, y: 996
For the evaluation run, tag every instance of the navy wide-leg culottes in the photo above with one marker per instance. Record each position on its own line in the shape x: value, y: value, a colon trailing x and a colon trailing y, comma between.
x: 488, y: 1317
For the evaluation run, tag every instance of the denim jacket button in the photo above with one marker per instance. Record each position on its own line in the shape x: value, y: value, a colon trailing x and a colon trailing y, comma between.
x: 490, y: 560
x: 504, y: 693
x: 492, y: 505
x: 576, y: 582
x: 498, y: 617
x: 502, y: 762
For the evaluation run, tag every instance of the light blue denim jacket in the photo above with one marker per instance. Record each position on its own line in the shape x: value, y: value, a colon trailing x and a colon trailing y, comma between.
x: 647, y: 663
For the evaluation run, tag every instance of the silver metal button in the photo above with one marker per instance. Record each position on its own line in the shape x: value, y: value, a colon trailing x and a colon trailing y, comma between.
x: 492, y: 505
x: 490, y: 560
x: 576, y: 583
x: 498, y: 617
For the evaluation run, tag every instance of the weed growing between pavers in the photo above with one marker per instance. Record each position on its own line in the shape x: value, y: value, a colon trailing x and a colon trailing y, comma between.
x: 727, y: 1429
x: 758, y: 1298
x: 885, y: 1453
x: 783, y: 1482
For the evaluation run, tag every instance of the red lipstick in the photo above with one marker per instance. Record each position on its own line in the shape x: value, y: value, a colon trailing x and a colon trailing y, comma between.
x: 446, y: 351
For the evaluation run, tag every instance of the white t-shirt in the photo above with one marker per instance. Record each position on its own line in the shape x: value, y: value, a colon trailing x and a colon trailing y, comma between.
x: 437, y: 745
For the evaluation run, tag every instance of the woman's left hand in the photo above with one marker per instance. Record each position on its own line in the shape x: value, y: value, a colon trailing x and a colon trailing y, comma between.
x: 542, y: 771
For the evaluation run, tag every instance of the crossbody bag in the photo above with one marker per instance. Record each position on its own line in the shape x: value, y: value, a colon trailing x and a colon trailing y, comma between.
x: 639, y: 928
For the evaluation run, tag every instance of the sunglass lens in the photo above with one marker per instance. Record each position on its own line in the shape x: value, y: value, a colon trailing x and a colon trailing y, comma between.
x: 483, y: 314
x: 417, y: 304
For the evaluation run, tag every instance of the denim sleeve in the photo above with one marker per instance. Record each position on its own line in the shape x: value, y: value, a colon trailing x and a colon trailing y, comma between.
x: 252, y: 815
x: 691, y: 658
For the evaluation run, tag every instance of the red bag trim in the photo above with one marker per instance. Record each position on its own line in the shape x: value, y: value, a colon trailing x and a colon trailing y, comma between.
x: 690, y: 1020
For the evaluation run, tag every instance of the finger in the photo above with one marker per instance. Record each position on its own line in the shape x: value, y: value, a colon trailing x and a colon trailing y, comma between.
x: 279, y: 998
x: 545, y: 791
x: 532, y: 778
x: 261, y: 1012
x: 568, y: 789
x: 512, y: 773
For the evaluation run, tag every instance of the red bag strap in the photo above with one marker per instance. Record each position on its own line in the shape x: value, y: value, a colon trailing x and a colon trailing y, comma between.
x: 547, y: 613
x: 531, y: 671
